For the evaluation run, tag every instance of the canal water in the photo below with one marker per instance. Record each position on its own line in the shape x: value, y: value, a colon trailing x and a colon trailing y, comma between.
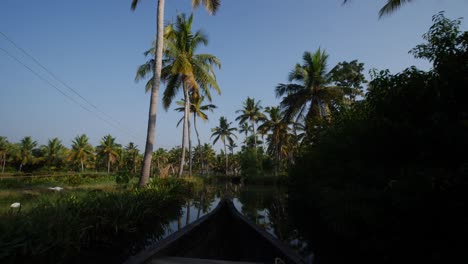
x: 266, y: 206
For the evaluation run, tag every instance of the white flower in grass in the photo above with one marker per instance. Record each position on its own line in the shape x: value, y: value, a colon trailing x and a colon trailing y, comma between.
x: 15, y: 205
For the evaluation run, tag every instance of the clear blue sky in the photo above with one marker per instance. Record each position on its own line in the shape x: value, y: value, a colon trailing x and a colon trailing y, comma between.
x: 96, y: 45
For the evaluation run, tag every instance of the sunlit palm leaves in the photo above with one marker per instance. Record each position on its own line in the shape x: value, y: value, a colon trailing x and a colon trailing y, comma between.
x: 26, y: 147
x: 211, y: 6
x: 81, y: 151
x: 196, y: 108
x: 53, y: 152
x: 5, y: 148
x: 183, y: 66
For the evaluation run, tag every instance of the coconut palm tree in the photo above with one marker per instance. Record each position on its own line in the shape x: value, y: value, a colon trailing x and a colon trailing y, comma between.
x: 232, y: 145
x: 390, y: 7
x: 81, y: 150
x: 4, y: 150
x: 53, y: 152
x: 211, y: 6
x: 26, y: 147
x: 185, y: 69
x: 278, y: 131
x: 109, y: 150
x: 198, y: 110
x: 161, y: 162
x: 252, y: 112
x: 245, y: 128
x: 309, y: 96
x: 224, y: 132
x: 132, y: 154
x: 208, y: 154
x: 189, y: 135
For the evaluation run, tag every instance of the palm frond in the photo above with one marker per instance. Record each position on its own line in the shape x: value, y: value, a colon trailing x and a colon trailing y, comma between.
x: 284, y: 89
x: 134, y: 4
x: 211, y: 5
x: 391, y: 6
x: 144, y: 70
x: 172, y: 87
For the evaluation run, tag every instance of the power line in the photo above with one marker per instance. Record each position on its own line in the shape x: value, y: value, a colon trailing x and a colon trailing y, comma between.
x: 62, y: 92
x: 63, y: 83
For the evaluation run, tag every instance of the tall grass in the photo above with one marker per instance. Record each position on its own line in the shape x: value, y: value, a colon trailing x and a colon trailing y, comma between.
x: 97, y: 227
x: 70, y: 180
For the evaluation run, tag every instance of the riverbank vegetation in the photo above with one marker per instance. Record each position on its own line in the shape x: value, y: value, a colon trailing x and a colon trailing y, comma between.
x: 75, y: 226
x: 384, y: 180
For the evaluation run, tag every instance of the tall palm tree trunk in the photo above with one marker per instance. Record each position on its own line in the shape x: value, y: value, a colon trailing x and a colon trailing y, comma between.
x: 199, y: 142
x: 145, y: 170
x: 134, y: 164
x: 278, y: 158
x: 184, y: 133
x: 82, y: 165
x: 225, y: 154
x: 233, y: 172
x: 108, y: 164
x: 189, y: 144
x: 4, y: 162
x: 254, y: 131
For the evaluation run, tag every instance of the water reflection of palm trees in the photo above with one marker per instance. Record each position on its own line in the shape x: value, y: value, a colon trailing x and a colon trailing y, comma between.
x: 203, y: 199
x: 267, y: 207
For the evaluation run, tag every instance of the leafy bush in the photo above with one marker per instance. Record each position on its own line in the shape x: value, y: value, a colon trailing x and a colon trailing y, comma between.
x: 172, y: 185
x: 122, y: 178
x: 251, y: 165
x: 74, y: 179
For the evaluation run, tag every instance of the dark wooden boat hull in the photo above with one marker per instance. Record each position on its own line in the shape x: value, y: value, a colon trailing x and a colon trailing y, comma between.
x: 223, y: 234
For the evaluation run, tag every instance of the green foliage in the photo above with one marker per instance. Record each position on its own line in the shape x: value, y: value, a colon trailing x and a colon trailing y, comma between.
x: 122, y: 178
x: 385, y: 180
x: 176, y: 186
x: 74, y: 179
x: 250, y: 167
x: 254, y: 163
x: 349, y: 77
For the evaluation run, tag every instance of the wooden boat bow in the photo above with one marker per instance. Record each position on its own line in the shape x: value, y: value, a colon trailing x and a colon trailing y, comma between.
x: 222, y: 236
